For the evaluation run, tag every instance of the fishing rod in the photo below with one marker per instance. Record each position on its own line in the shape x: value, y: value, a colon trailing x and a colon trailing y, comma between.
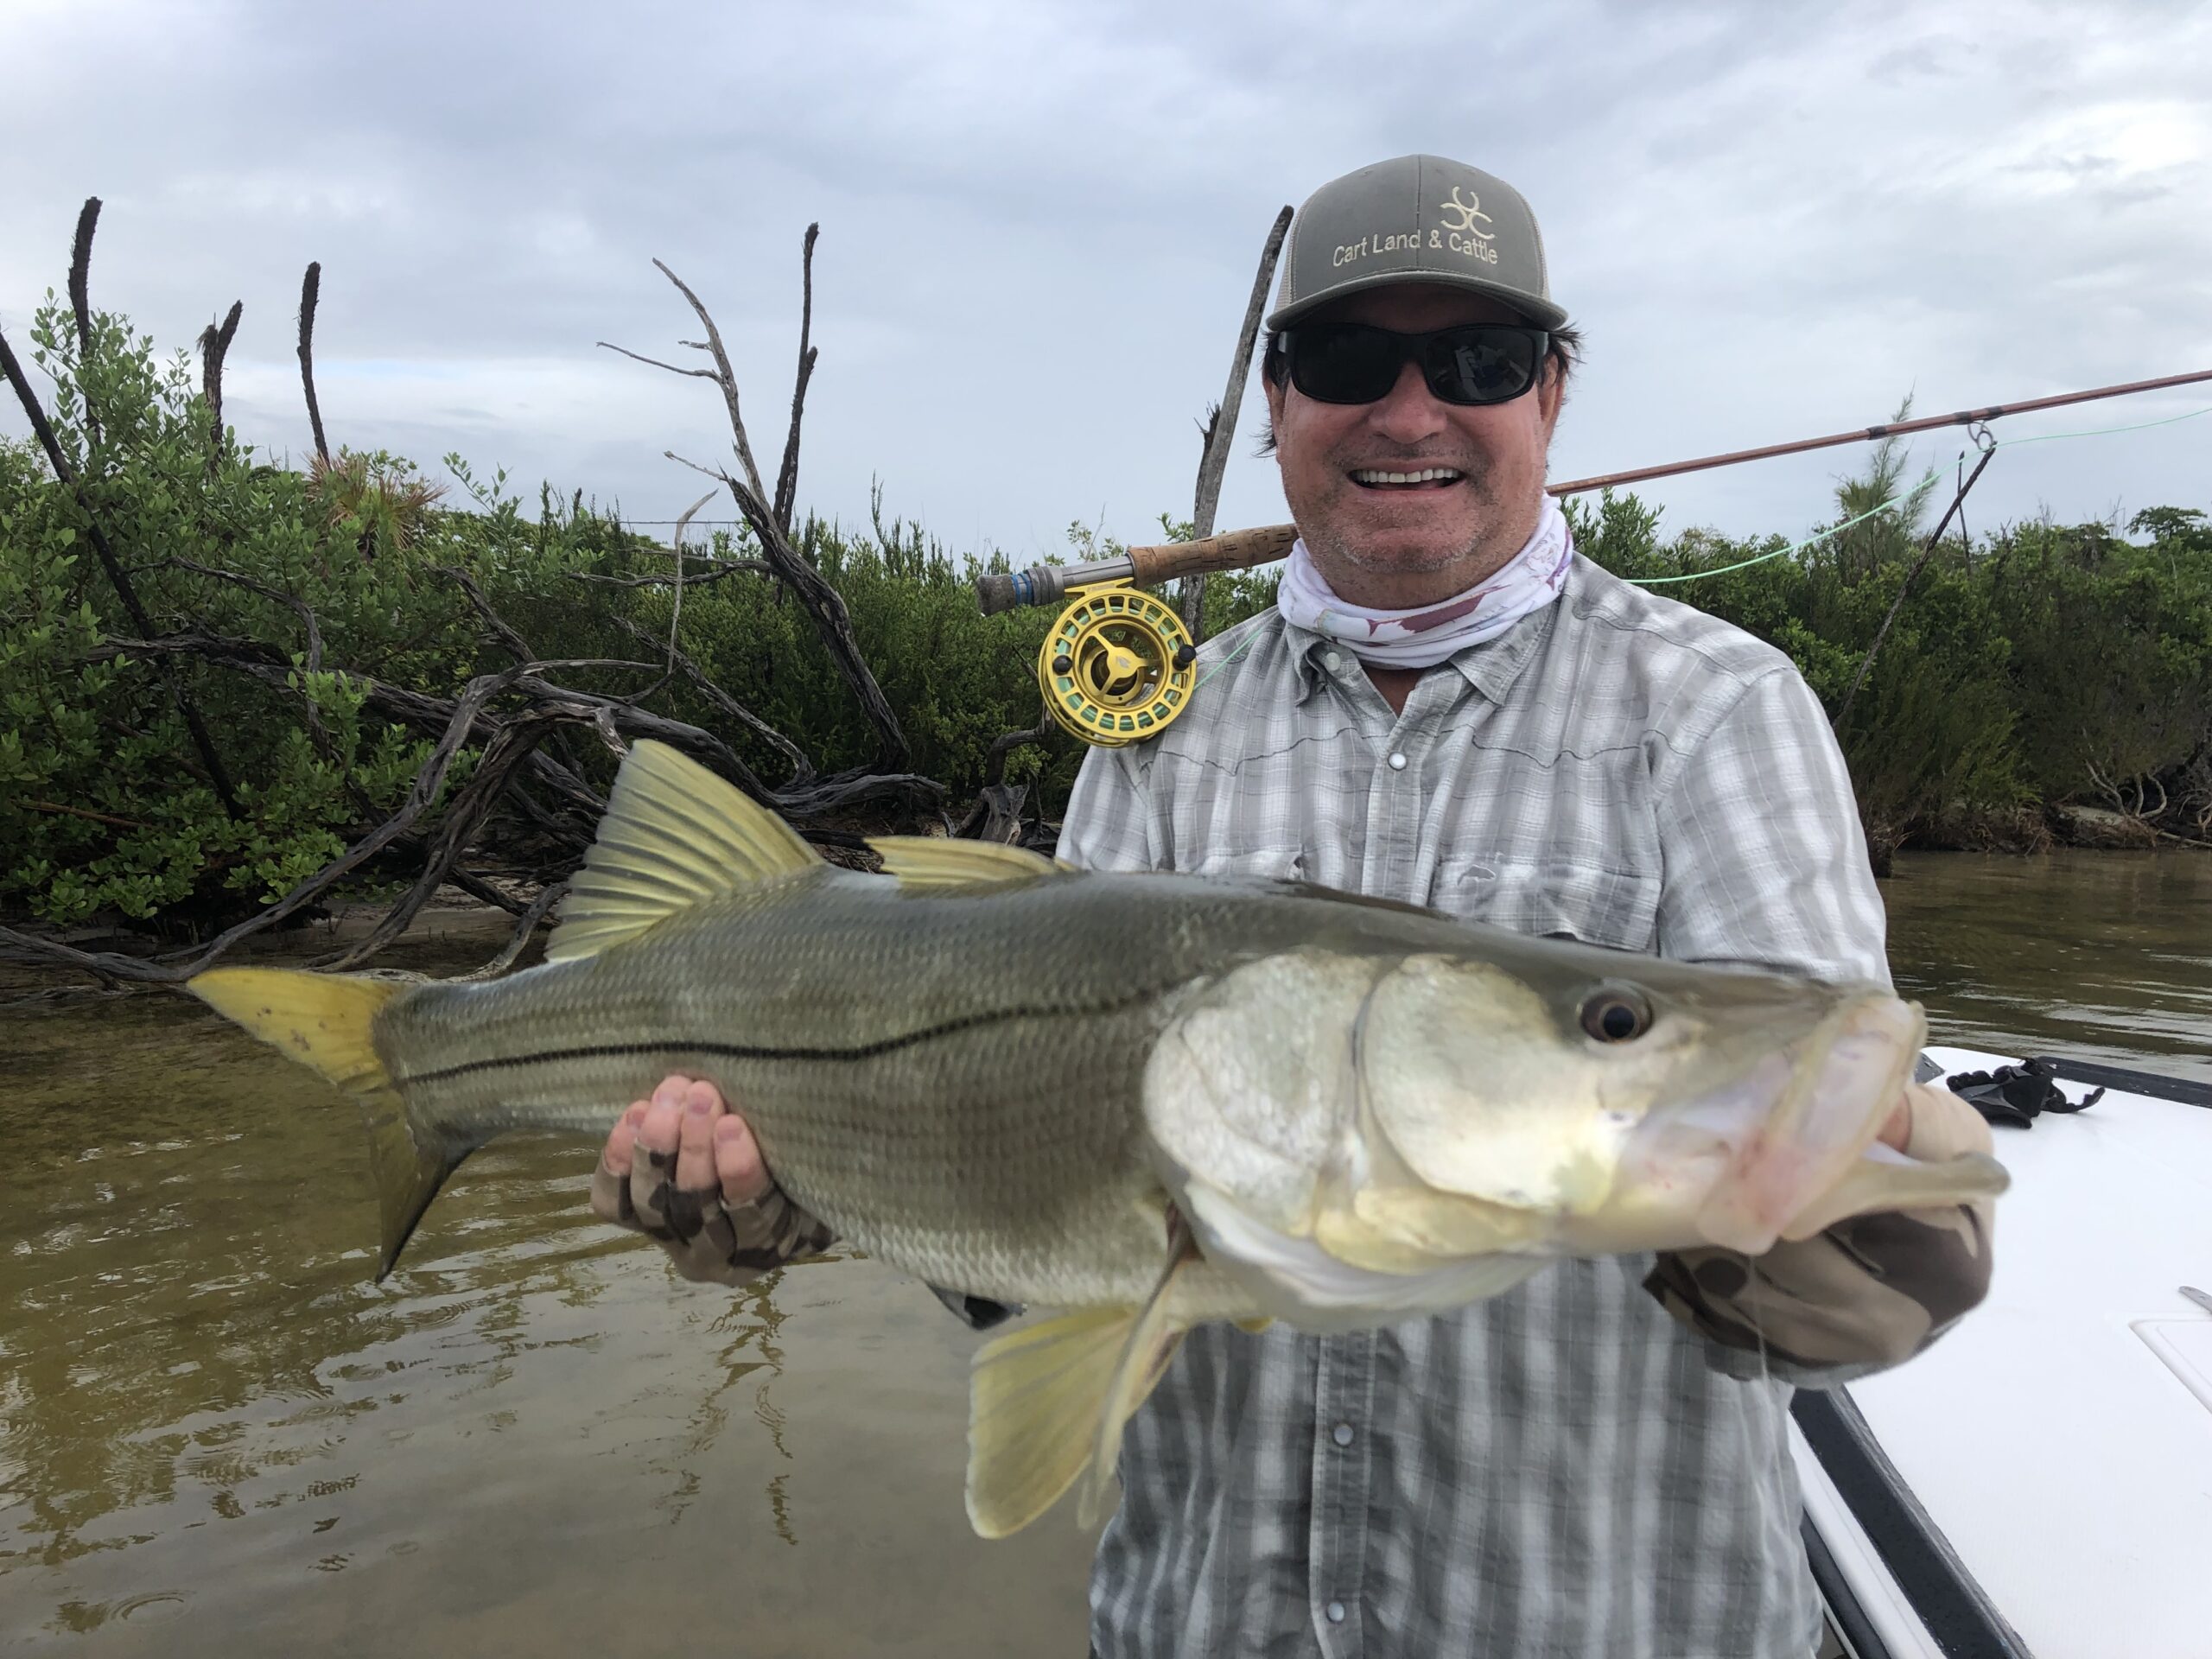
x: 1117, y: 664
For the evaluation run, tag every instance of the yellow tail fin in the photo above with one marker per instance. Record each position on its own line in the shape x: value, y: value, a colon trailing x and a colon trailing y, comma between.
x: 326, y: 1022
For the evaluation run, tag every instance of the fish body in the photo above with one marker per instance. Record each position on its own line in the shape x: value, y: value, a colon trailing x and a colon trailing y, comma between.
x: 1152, y: 1100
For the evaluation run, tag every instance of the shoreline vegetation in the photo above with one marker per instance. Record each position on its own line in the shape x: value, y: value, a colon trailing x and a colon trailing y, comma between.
x: 235, y: 693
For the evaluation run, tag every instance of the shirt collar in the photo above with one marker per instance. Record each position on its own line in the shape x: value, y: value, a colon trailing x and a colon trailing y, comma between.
x: 1491, y: 668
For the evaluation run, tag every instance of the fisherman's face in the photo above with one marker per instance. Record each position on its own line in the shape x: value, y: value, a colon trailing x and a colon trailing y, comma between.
x: 1398, y: 545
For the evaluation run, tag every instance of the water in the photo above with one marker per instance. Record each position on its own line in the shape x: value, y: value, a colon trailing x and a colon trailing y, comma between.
x: 217, y: 1436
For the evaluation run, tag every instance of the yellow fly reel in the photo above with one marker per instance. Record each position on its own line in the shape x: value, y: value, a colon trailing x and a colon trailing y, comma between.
x: 1115, y: 669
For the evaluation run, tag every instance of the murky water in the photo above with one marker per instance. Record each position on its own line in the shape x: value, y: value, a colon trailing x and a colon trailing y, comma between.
x: 218, y: 1437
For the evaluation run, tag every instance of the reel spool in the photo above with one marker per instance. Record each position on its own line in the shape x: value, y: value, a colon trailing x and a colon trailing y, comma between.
x: 1116, y: 668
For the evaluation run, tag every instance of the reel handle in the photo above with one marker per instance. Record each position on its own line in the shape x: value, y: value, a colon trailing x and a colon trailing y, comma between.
x: 1046, y: 584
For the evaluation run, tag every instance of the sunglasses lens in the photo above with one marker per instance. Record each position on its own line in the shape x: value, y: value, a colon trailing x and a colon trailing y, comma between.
x: 1481, y: 364
x: 1344, y: 363
x: 1353, y: 363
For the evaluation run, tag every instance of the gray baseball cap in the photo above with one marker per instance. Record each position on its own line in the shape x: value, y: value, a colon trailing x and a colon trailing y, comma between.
x: 1417, y: 219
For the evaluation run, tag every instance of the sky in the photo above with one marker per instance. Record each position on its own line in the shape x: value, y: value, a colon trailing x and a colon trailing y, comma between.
x: 1041, y: 222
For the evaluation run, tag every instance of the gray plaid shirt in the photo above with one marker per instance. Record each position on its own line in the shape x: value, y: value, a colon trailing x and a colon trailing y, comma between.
x: 1570, y: 1468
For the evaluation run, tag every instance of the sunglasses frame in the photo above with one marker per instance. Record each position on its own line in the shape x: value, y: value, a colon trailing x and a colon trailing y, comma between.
x: 1413, y: 349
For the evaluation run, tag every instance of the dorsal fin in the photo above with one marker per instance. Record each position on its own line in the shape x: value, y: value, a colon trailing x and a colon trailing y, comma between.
x: 945, y: 861
x: 674, y: 834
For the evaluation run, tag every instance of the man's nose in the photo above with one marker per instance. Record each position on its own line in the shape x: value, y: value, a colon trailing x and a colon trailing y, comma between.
x: 1411, y: 412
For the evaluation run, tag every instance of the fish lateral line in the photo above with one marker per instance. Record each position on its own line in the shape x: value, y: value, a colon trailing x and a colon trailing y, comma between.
x: 767, y: 1052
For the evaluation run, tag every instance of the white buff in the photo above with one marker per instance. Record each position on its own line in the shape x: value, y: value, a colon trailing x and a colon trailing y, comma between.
x: 1528, y: 582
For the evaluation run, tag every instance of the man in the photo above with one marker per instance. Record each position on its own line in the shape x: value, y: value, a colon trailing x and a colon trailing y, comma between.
x: 1448, y: 707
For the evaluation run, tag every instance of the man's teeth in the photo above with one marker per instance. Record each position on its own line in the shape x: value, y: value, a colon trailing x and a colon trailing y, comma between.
x: 1429, y: 475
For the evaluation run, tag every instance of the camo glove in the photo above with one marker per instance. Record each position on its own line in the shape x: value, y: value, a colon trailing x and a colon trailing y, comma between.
x: 1869, y: 1292
x: 710, y: 1240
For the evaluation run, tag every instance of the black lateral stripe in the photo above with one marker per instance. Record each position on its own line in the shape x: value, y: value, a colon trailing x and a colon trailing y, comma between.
x: 751, y: 1051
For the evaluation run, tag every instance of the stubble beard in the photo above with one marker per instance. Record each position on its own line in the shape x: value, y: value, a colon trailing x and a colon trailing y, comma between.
x: 1328, y: 543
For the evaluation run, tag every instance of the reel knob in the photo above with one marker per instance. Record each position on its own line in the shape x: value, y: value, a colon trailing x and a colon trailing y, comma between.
x: 1117, y: 666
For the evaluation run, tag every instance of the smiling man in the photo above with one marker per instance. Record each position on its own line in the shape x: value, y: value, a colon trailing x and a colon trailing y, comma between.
x: 1448, y: 707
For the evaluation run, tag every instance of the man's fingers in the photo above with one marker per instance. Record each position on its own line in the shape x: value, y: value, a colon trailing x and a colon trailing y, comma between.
x: 695, y: 1157
x: 737, y: 1161
x: 610, y: 1182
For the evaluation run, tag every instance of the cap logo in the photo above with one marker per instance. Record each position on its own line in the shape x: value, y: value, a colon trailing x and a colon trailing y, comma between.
x: 1469, y: 212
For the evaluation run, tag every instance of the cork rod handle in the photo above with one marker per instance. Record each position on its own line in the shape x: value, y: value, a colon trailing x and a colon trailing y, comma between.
x: 1236, y: 550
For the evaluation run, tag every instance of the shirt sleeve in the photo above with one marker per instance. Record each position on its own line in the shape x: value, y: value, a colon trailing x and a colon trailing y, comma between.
x: 1765, y: 866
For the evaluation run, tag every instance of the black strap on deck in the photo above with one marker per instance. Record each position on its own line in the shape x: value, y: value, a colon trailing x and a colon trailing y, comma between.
x: 1954, y: 1609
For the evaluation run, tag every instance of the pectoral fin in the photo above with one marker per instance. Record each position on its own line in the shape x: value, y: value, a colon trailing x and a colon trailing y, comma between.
x: 1881, y: 1179
x: 1046, y: 1400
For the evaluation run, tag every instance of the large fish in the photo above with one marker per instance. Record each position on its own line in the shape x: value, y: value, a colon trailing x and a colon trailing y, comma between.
x: 1150, y: 1100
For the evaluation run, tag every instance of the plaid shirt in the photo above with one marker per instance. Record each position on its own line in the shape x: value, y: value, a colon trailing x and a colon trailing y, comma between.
x: 1595, y: 1464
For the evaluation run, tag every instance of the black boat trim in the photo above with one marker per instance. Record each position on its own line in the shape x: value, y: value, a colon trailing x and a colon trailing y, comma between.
x: 1847, y: 1616
x: 1944, y: 1596
x: 2178, y: 1089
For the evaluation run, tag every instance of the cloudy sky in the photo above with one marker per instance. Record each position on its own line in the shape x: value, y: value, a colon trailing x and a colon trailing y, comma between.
x: 1040, y: 223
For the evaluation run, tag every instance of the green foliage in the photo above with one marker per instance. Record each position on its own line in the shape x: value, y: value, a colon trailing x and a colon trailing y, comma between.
x: 2049, y: 663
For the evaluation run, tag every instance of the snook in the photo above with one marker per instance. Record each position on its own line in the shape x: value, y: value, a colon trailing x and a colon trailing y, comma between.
x: 1149, y: 1099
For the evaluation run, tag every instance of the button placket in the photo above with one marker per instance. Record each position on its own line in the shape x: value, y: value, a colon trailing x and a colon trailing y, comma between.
x: 1342, y: 1472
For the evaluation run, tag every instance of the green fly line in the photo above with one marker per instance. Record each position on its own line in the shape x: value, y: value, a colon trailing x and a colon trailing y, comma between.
x: 1933, y: 474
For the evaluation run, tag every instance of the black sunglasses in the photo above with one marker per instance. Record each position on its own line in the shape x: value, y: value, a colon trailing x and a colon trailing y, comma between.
x: 1474, y: 364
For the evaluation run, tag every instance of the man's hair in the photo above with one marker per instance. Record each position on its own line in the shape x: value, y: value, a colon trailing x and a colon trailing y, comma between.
x: 1561, y: 357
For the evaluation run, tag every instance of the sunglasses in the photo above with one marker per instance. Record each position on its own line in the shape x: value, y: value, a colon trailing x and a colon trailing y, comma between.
x: 1475, y: 364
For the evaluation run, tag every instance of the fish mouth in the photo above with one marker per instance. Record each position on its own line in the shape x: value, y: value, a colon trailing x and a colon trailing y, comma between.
x: 1843, y: 1082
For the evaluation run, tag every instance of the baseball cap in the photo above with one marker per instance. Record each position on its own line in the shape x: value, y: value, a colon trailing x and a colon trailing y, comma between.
x: 1417, y: 219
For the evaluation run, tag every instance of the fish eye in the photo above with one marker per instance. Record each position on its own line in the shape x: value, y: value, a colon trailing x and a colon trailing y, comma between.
x: 1615, y: 1014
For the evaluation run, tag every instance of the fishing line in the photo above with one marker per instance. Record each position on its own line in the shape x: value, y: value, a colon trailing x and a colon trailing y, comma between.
x: 2001, y: 443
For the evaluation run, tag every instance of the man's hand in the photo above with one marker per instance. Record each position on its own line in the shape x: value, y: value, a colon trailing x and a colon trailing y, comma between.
x: 684, y: 1169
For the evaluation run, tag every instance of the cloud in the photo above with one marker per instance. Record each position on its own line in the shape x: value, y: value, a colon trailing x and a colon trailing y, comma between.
x: 1038, y: 226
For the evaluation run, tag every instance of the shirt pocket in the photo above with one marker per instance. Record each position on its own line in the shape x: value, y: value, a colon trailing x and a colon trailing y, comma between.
x: 1618, y: 909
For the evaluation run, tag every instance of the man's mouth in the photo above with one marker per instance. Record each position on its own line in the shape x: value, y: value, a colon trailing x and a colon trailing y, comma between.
x: 1426, y: 478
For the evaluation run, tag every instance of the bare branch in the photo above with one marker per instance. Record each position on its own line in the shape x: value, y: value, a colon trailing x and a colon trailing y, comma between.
x: 676, y: 545
x: 310, y: 293
x: 802, y: 768
x: 728, y: 377
x: 502, y: 630
x: 716, y: 569
x: 639, y: 357
x: 215, y: 346
x: 787, y: 476
x: 1221, y: 429
x: 528, y: 924
x: 81, y: 260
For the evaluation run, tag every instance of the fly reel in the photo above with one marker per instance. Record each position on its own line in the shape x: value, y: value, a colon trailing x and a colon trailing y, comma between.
x: 1116, y: 668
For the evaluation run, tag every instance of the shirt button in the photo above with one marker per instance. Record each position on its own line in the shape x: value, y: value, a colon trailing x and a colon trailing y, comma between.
x: 1332, y: 662
x: 1336, y: 1612
x: 1341, y: 1433
x: 1397, y: 763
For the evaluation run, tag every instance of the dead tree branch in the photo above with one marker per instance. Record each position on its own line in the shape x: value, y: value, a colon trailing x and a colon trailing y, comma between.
x: 80, y: 264
x: 1221, y: 428
x: 787, y: 474
x: 80, y: 301
x: 215, y: 346
x: 217, y: 779
x: 310, y: 293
